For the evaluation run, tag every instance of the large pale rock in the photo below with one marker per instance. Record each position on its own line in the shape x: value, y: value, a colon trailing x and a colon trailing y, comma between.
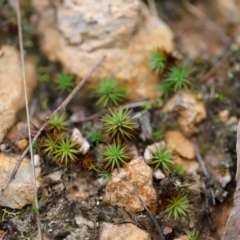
x: 21, y: 190
x: 11, y: 86
x: 180, y: 144
x: 79, y: 32
x: 126, y: 231
x: 190, y: 111
x: 228, y: 12
x: 120, y: 190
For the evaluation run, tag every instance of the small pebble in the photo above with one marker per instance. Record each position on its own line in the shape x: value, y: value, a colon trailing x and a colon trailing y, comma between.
x: 167, y: 230
x: 22, y: 144
x: 3, y: 147
x: 158, y: 174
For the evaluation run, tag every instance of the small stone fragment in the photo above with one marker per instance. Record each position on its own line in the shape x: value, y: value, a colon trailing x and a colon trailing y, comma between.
x: 158, y: 174
x: 81, y: 221
x: 36, y: 160
x: 190, y: 111
x: 152, y: 148
x: 145, y: 124
x: 83, y: 143
x: 224, y: 115
x: 180, y: 144
x: 22, y: 144
x: 20, y: 190
x: 224, y: 179
x: 120, y: 190
x: 54, y: 177
x: 167, y: 230
x: 84, y: 230
x: 3, y: 147
x: 127, y: 231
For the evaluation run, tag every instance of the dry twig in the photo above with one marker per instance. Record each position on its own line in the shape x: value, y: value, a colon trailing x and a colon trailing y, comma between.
x: 217, y: 66
x: 200, y: 15
x: 160, y: 232
x: 18, y: 12
x: 203, y: 166
x: 98, y: 114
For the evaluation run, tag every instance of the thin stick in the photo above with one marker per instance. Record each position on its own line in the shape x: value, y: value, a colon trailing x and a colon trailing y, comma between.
x: 203, y: 166
x: 216, y: 67
x: 160, y: 232
x: 60, y: 107
x: 200, y: 15
x: 18, y: 11
x: 98, y: 114
x: 238, y: 155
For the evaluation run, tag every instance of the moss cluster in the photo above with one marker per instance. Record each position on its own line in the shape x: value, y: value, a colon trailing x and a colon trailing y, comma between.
x: 174, y: 77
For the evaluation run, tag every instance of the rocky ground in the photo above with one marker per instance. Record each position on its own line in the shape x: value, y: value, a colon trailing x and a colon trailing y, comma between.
x: 84, y: 199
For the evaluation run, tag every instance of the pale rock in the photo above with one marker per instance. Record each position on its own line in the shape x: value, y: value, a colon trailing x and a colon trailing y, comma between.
x: 36, y: 160
x: 128, y: 231
x: 3, y: 147
x: 20, y: 190
x: 81, y: 221
x: 190, y: 111
x: 228, y: 12
x: 79, y: 32
x: 232, y: 123
x: 167, y: 230
x: 144, y: 119
x: 182, y: 237
x: 152, y: 148
x: 11, y: 86
x: 120, y: 190
x: 158, y: 174
x: 54, y: 176
x: 188, y: 165
x: 83, y: 143
x: 180, y: 144
x: 224, y: 180
x: 224, y: 115
x: 84, y: 229
x: 102, y: 181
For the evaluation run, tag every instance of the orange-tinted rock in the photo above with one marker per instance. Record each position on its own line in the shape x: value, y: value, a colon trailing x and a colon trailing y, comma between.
x: 190, y: 111
x: 224, y: 115
x: 180, y: 144
x: 128, y: 231
x: 22, y: 144
x: 120, y: 190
